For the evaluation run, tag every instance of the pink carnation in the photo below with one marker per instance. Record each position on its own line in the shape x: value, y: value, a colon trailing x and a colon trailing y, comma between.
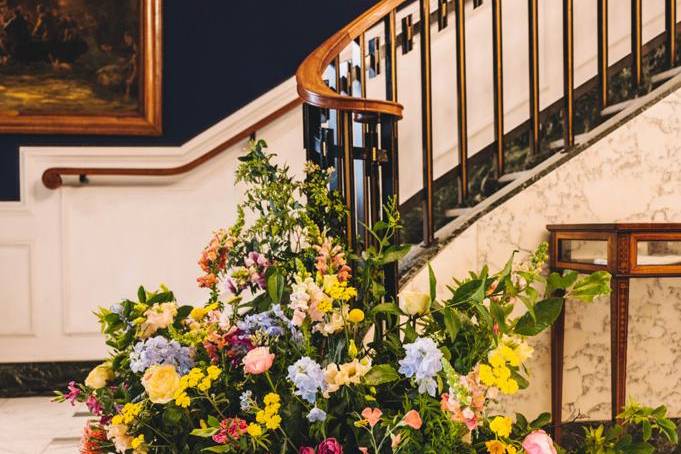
x: 330, y: 446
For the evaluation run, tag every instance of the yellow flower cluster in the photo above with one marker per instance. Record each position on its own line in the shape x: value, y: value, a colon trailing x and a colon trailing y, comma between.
x: 497, y: 373
x: 199, y: 312
x: 338, y: 291
x: 499, y: 447
x: 127, y: 414
x: 254, y: 430
x: 196, y: 378
x: 270, y: 415
x: 501, y: 426
x: 137, y: 441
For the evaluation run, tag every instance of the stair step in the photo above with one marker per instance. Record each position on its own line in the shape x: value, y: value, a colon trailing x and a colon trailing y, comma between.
x: 457, y: 212
x: 665, y: 75
x: 616, y: 108
x: 560, y: 143
x: 508, y: 177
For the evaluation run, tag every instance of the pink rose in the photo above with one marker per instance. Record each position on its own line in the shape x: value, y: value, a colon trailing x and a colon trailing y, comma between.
x: 538, y: 442
x: 305, y: 450
x: 413, y: 419
x: 330, y: 446
x: 258, y: 361
x: 372, y: 415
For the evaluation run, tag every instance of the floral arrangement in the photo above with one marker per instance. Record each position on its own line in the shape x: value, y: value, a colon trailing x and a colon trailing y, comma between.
x: 298, y: 349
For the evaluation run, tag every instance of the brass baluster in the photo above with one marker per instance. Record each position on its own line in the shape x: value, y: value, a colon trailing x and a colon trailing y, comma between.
x: 568, y: 73
x: 636, y: 45
x: 461, y: 99
x: 533, y: 35
x: 603, y: 53
x: 498, y: 67
x: 427, y: 124
x: 670, y: 20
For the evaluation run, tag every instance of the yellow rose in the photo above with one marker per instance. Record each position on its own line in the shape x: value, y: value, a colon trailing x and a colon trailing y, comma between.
x: 161, y: 383
x: 414, y: 303
x: 99, y: 376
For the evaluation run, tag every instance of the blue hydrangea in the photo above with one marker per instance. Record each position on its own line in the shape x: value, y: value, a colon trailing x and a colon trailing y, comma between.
x: 308, y: 378
x: 316, y: 415
x: 263, y: 322
x: 423, y: 363
x: 296, y: 335
x: 159, y: 350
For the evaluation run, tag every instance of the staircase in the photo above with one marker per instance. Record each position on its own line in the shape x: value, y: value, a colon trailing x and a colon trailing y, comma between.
x: 454, y: 109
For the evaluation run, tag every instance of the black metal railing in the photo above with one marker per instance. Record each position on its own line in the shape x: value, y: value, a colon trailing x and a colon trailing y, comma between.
x: 360, y: 138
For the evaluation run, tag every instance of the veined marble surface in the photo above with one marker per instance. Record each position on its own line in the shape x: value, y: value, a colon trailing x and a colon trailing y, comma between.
x: 35, y: 425
x: 632, y: 174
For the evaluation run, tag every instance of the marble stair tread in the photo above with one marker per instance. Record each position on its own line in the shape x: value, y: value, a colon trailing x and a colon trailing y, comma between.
x: 34, y: 425
x: 560, y: 143
x: 457, y: 212
x: 511, y: 176
x: 666, y: 75
x: 616, y: 108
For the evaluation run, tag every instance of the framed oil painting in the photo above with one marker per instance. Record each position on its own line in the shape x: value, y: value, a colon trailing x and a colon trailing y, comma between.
x: 80, y: 67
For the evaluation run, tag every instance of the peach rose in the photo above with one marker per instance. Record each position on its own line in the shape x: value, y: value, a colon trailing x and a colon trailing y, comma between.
x: 413, y: 419
x: 538, y: 442
x: 258, y: 361
x: 159, y: 316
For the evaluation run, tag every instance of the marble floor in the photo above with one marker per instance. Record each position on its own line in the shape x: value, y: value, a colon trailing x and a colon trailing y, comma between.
x: 34, y: 425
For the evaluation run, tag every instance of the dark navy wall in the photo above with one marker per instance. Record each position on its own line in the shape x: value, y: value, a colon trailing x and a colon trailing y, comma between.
x: 219, y: 55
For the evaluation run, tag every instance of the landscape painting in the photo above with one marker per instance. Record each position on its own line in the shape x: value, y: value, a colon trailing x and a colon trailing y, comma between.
x: 80, y: 66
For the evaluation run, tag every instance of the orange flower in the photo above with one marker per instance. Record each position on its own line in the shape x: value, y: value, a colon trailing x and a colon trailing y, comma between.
x: 413, y: 419
x: 495, y: 447
x: 372, y: 415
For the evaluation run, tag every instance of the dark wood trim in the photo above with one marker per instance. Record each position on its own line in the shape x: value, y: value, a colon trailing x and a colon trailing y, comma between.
x: 52, y: 177
x: 147, y: 123
x: 311, y: 86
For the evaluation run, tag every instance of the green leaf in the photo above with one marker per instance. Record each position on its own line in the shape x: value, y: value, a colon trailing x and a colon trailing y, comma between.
x: 541, y: 421
x: 163, y: 297
x: 142, y: 295
x: 556, y: 281
x: 205, y: 433
x: 498, y: 314
x: 591, y: 286
x: 647, y: 430
x: 640, y: 447
x: 275, y: 285
x: 433, y: 283
x: 393, y: 254
x: 381, y: 374
x: 452, y: 323
x: 213, y: 421
x: 390, y: 308
x: 546, y: 313
x: 409, y: 333
x: 183, y: 312
x: 221, y: 448
x: 522, y: 381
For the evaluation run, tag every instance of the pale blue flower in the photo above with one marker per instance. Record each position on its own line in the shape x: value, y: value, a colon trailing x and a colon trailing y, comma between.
x: 316, y: 415
x: 308, y: 378
x: 246, y: 400
x: 422, y: 363
x: 263, y: 322
x: 159, y: 350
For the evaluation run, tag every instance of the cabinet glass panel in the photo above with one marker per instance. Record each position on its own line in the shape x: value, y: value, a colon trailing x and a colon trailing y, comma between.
x: 593, y: 252
x: 658, y: 252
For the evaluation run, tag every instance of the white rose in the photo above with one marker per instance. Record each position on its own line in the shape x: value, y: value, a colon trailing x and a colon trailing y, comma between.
x: 414, y: 303
x: 99, y: 376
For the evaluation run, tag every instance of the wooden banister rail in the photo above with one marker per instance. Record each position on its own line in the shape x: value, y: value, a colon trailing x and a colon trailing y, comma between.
x: 52, y: 177
x: 311, y: 86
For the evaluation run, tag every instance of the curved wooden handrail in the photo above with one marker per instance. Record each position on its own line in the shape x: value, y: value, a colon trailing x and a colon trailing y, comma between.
x: 52, y: 177
x: 311, y: 86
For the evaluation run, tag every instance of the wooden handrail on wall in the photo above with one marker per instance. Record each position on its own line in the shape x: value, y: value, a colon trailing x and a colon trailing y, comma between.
x: 52, y: 177
x: 310, y: 74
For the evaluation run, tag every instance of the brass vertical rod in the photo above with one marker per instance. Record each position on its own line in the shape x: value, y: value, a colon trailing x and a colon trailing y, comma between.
x: 533, y: 35
x: 427, y: 124
x: 461, y: 100
x: 670, y: 20
x: 349, y: 178
x: 390, y: 171
x: 339, y: 132
x: 636, y: 45
x: 498, y: 67
x: 568, y: 73
x: 603, y: 53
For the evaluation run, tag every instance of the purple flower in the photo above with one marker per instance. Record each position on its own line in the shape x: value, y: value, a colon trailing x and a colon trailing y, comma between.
x: 73, y: 393
x: 93, y: 405
x: 257, y: 265
x: 159, y: 350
